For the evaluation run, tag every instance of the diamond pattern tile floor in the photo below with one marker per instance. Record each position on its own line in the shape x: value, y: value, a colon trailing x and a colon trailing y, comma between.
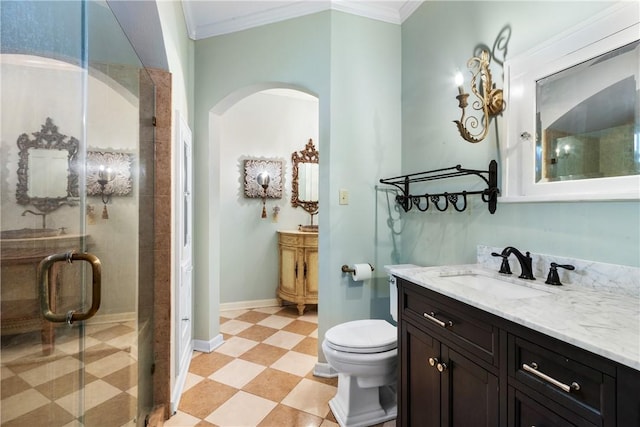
x: 42, y: 390
x: 261, y: 376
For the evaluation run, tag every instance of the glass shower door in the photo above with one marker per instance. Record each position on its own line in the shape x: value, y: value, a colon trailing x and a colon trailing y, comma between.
x: 76, y: 104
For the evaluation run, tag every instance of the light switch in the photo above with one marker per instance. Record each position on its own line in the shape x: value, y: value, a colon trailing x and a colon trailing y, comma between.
x: 344, y: 196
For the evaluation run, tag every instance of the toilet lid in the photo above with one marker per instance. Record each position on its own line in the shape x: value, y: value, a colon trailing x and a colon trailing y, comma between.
x: 363, y: 336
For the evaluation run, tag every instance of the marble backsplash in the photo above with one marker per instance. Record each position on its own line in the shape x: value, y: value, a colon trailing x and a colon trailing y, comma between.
x: 619, y: 279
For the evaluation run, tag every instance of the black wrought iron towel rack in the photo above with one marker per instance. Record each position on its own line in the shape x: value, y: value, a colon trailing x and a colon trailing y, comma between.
x: 442, y: 201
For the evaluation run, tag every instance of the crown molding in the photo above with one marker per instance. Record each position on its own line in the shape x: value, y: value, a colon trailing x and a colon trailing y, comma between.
x: 378, y: 10
x: 408, y: 7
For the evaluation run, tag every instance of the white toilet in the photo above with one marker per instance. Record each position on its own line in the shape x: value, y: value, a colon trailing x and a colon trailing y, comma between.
x: 365, y: 355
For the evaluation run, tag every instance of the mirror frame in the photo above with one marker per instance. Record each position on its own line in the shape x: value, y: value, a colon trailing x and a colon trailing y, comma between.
x: 615, y: 27
x: 48, y: 139
x: 308, y: 155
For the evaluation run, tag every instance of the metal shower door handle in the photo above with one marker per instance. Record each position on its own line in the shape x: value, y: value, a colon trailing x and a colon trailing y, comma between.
x: 43, y: 280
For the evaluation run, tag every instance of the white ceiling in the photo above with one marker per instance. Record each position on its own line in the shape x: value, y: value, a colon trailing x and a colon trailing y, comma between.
x: 207, y: 18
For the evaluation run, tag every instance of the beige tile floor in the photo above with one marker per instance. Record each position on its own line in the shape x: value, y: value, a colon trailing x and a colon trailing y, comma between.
x: 261, y: 375
x: 38, y: 390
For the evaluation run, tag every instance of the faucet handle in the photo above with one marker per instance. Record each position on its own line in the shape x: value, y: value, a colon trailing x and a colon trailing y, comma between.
x: 505, y: 268
x: 553, y: 278
x: 565, y: 266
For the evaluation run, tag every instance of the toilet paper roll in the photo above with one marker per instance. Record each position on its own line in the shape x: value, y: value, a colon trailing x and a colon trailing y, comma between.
x: 362, y: 272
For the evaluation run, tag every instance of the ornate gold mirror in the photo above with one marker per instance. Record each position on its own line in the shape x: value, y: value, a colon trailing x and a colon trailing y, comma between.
x: 47, y: 169
x: 305, y: 182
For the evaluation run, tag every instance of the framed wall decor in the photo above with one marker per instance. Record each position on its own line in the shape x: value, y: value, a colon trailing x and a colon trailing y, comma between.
x: 254, y: 168
x: 119, y: 165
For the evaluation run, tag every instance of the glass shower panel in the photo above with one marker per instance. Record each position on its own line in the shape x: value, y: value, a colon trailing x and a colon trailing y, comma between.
x: 72, y: 83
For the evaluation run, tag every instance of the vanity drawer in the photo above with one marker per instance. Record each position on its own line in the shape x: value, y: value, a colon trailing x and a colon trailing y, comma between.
x: 570, y: 377
x: 525, y: 412
x: 460, y: 324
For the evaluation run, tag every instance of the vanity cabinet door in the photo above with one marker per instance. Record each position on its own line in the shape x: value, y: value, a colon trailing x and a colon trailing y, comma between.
x: 470, y: 393
x: 441, y: 387
x: 288, y: 269
x: 419, y: 390
x: 311, y: 272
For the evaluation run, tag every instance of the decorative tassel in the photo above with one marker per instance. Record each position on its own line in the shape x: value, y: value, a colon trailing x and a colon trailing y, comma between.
x: 105, y: 212
x: 264, y: 210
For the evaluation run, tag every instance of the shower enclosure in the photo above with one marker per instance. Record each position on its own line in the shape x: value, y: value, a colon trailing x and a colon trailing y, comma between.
x: 76, y: 218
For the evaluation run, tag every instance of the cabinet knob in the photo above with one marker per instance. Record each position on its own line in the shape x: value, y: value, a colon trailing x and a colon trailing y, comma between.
x: 441, y: 367
x: 433, y: 361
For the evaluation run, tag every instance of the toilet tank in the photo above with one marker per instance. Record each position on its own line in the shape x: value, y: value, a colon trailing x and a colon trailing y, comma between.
x: 393, y: 288
x: 393, y: 298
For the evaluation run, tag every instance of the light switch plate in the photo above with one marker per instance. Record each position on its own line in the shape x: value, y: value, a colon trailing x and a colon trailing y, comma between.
x: 344, y: 196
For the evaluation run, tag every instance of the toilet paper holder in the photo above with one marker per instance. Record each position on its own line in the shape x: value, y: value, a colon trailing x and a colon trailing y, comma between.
x: 346, y: 269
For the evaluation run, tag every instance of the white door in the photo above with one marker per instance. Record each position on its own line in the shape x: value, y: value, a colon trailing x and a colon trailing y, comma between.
x: 184, y: 254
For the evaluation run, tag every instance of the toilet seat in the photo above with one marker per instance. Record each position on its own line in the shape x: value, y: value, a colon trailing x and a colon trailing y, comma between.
x: 363, y: 336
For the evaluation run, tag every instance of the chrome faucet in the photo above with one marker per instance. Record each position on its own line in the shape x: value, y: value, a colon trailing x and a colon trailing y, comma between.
x: 42, y: 214
x: 526, y: 270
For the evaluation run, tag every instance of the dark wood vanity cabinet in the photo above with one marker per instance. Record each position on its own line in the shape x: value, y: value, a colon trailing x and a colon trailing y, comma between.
x: 494, y: 372
x: 449, y: 375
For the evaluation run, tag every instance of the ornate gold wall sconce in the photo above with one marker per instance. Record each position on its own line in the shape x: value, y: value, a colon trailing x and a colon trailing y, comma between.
x: 489, y: 100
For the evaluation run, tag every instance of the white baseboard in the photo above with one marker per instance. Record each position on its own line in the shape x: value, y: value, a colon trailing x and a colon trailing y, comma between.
x: 324, y: 370
x: 208, y: 346
x: 240, y: 305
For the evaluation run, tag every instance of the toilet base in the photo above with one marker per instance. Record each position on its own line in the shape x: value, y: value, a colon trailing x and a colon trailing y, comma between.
x: 354, y: 406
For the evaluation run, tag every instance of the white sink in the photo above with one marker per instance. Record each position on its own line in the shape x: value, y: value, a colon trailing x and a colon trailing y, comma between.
x: 492, y: 286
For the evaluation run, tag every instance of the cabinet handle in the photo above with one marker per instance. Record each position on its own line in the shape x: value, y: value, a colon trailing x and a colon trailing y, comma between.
x: 534, y: 370
x: 433, y: 361
x: 296, y: 270
x: 432, y: 316
x: 441, y: 367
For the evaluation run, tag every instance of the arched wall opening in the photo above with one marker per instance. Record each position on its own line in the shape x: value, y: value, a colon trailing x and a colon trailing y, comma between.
x: 268, y: 121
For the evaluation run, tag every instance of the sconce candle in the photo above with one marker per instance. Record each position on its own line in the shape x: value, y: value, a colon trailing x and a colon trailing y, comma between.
x: 263, y: 179
x: 459, y: 82
x: 105, y: 173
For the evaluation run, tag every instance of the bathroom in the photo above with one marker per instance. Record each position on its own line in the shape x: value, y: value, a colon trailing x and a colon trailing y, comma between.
x: 386, y: 105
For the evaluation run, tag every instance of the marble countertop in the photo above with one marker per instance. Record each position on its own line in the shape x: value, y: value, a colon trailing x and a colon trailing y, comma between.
x: 605, y: 323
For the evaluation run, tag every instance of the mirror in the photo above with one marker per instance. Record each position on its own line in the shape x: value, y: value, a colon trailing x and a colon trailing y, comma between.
x: 573, y: 125
x: 308, y: 182
x: 47, y: 169
x: 305, y: 182
x: 586, y: 116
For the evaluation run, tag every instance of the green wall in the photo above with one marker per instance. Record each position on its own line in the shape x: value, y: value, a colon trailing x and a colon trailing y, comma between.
x: 437, y: 40
x: 387, y: 102
x: 352, y: 65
